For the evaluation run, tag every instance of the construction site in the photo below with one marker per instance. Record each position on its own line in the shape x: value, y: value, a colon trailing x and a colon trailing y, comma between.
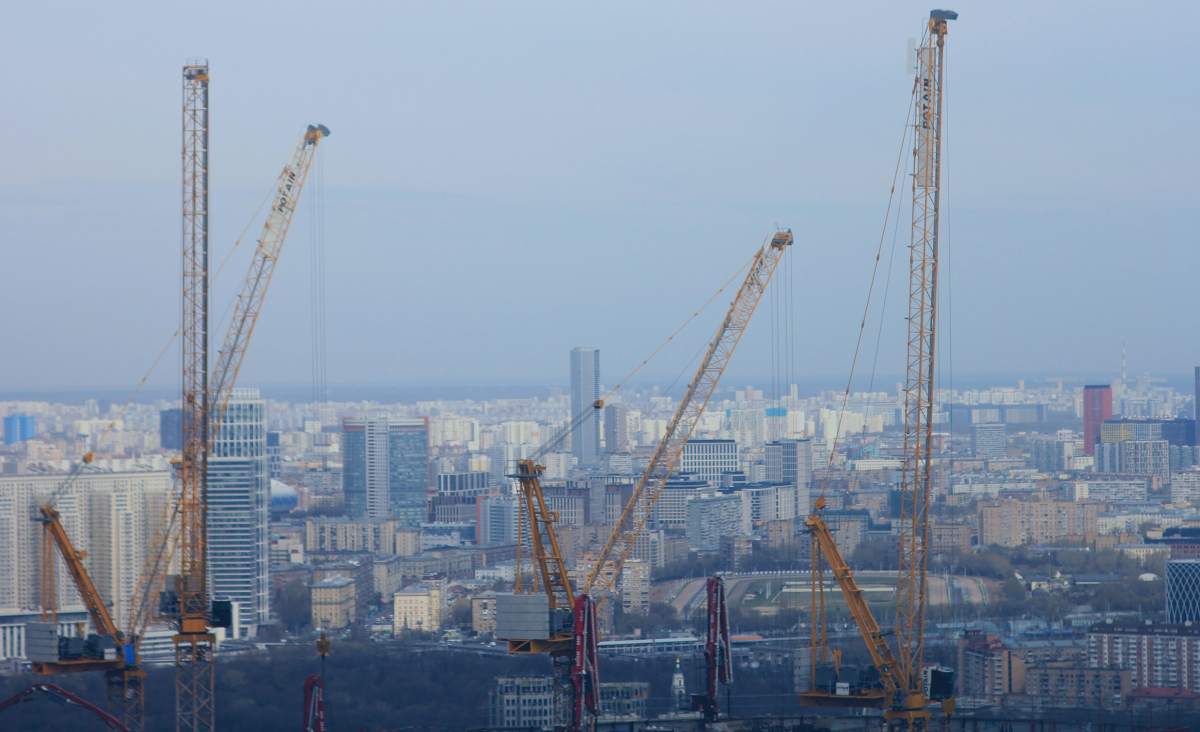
x: 856, y: 648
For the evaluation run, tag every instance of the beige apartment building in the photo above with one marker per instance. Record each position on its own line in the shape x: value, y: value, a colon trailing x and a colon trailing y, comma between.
x: 333, y: 603
x: 1014, y: 523
x: 418, y: 607
x: 371, y: 536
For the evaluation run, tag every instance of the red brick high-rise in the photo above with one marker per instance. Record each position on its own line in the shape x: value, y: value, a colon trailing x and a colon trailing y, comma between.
x: 1097, y: 407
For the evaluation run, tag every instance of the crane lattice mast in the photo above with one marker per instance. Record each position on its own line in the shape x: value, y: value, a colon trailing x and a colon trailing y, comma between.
x: 922, y: 332
x: 194, y: 673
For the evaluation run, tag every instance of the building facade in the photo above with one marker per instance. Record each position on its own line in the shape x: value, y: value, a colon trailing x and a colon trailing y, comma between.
x: 1014, y: 523
x: 1161, y: 655
x: 585, y: 390
x: 386, y: 468
x: 708, y: 459
x: 790, y: 461
x: 418, y: 607
x: 110, y: 516
x: 239, y: 499
x: 616, y: 428
x: 1097, y: 407
x: 1183, y: 591
x: 989, y: 441
x: 333, y: 603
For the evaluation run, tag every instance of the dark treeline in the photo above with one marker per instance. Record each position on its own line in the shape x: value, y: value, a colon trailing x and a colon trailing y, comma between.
x: 369, y: 686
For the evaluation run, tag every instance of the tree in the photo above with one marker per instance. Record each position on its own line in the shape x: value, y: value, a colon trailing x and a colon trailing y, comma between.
x: 293, y: 603
x: 460, y: 613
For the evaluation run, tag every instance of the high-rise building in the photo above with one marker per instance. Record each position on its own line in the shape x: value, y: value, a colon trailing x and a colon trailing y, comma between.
x: 18, y: 428
x: 790, y: 461
x: 386, y: 468
x: 1183, y: 591
x: 239, y: 500
x: 170, y: 429
x: 616, y: 428
x: 989, y: 441
x: 110, y: 516
x: 585, y: 390
x: 497, y: 521
x: 708, y: 459
x: 1097, y: 407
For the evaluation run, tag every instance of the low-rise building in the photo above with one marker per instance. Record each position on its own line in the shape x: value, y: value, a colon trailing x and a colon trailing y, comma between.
x: 949, y: 538
x: 419, y: 607
x: 1013, y: 523
x: 1075, y: 685
x: 483, y: 613
x: 333, y: 602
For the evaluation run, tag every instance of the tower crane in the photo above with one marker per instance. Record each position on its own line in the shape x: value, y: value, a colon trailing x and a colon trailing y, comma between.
x: 901, y: 673
x: 125, y: 674
x: 546, y: 614
x: 205, y: 400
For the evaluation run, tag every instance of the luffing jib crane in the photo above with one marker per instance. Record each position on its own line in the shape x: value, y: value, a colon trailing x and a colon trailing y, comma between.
x: 205, y: 400
x: 902, y: 673
x: 541, y: 618
x: 109, y: 649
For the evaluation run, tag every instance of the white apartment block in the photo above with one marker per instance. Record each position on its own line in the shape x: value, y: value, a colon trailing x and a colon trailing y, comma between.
x: 112, y: 517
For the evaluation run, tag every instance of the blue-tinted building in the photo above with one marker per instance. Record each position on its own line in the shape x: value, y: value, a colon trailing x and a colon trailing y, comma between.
x: 239, y: 499
x: 385, y: 468
x: 18, y: 428
x: 585, y: 390
x: 170, y: 429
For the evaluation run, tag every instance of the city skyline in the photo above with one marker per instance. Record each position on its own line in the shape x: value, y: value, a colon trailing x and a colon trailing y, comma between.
x: 951, y: 473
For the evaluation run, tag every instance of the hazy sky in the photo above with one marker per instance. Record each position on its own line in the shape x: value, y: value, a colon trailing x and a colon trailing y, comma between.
x: 507, y: 180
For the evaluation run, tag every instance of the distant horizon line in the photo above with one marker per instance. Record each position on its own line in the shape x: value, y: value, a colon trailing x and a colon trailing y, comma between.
x: 514, y: 388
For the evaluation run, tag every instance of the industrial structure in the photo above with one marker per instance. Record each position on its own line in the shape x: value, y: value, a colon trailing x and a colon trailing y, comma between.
x: 901, y: 687
x: 542, y: 616
x: 188, y: 604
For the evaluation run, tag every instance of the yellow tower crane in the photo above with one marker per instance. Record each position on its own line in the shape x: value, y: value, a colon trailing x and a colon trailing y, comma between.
x: 205, y: 400
x: 558, y: 637
x: 123, y: 663
x: 902, y: 673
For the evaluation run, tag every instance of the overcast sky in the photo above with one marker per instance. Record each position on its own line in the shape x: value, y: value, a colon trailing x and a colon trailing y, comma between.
x: 507, y: 180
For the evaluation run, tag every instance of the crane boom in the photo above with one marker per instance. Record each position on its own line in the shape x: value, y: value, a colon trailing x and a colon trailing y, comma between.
x: 625, y: 534
x: 73, y: 559
x: 254, y: 289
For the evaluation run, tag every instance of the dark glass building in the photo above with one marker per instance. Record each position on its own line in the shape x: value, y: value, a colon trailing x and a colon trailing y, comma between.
x: 385, y: 471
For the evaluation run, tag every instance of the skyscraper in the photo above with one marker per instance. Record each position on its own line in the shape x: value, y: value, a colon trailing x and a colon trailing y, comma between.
x: 1097, y: 407
x: 585, y: 390
x: 239, y: 498
x: 616, y: 428
x: 386, y: 468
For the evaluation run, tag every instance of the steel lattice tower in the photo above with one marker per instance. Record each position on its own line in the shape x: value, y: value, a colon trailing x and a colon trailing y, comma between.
x: 922, y: 331
x: 194, y: 643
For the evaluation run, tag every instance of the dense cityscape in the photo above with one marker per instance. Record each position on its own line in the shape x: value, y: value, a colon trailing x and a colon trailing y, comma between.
x: 910, y: 481
x: 1064, y: 531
